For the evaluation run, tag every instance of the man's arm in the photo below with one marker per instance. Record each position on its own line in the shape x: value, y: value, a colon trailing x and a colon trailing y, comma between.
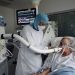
x: 51, y: 47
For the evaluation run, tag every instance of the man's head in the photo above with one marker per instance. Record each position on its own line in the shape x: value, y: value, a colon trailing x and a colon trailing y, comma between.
x: 65, y: 42
x: 41, y: 19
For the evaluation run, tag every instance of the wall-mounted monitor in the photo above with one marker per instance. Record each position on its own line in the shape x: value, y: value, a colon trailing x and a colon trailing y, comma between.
x: 25, y: 16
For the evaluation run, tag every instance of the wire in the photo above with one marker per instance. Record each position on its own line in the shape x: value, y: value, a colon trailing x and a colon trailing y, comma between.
x: 9, y: 54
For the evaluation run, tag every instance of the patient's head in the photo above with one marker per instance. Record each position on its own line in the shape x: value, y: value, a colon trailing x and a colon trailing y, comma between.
x: 66, y: 42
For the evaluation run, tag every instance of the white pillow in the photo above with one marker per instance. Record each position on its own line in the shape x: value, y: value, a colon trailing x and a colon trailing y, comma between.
x: 56, y: 41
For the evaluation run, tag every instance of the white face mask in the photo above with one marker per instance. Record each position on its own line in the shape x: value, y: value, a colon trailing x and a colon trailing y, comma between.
x: 41, y: 27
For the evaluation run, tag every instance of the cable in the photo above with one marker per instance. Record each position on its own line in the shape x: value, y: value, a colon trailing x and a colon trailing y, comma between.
x: 9, y: 53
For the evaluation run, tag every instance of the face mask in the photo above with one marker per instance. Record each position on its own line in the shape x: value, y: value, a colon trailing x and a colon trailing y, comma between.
x: 41, y: 27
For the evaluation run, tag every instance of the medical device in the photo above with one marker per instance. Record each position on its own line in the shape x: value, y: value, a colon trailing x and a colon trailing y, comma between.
x: 25, y: 16
x: 3, y: 52
x: 5, y: 36
x: 2, y: 41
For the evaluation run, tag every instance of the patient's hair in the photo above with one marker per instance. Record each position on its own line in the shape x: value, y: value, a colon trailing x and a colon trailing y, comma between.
x: 66, y: 38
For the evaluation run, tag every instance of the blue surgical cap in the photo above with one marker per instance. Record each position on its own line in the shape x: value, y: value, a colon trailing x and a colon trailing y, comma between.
x: 39, y: 18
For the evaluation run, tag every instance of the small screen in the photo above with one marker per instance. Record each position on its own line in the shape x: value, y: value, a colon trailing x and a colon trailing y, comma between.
x: 26, y: 16
x: 1, y: 20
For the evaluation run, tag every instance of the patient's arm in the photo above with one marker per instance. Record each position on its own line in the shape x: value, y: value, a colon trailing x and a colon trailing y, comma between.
x: 45, y: 72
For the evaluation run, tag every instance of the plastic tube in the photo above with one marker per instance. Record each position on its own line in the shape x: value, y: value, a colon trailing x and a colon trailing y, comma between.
x: 30, y: 46
x: 72, y: 49
x: 9, y: 53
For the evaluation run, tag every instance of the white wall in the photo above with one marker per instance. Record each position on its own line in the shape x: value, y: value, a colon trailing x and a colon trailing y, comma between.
x: 49, y: 6
x: 8, y: 15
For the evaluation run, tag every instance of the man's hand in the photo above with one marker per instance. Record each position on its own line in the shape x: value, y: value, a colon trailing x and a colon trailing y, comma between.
x: 51, y: 47
x: 37, y: 53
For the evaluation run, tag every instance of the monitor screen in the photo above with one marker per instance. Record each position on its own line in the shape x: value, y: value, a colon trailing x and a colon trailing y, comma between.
x: 26, y: 16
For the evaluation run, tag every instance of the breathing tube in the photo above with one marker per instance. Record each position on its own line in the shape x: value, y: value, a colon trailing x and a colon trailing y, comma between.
x: 6, y: 36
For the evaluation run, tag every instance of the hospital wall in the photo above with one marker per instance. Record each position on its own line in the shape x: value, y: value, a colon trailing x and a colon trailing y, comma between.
x: 50, y: 6
x: 8, y: 15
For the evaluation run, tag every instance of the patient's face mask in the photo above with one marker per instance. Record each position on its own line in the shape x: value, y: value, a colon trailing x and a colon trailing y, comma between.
x: 64, y: 43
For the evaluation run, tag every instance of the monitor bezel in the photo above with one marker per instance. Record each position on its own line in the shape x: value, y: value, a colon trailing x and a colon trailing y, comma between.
x: 23, y: 10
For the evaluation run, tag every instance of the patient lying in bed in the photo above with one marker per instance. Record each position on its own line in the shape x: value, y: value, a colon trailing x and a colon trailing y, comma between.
x: 59, y: 61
